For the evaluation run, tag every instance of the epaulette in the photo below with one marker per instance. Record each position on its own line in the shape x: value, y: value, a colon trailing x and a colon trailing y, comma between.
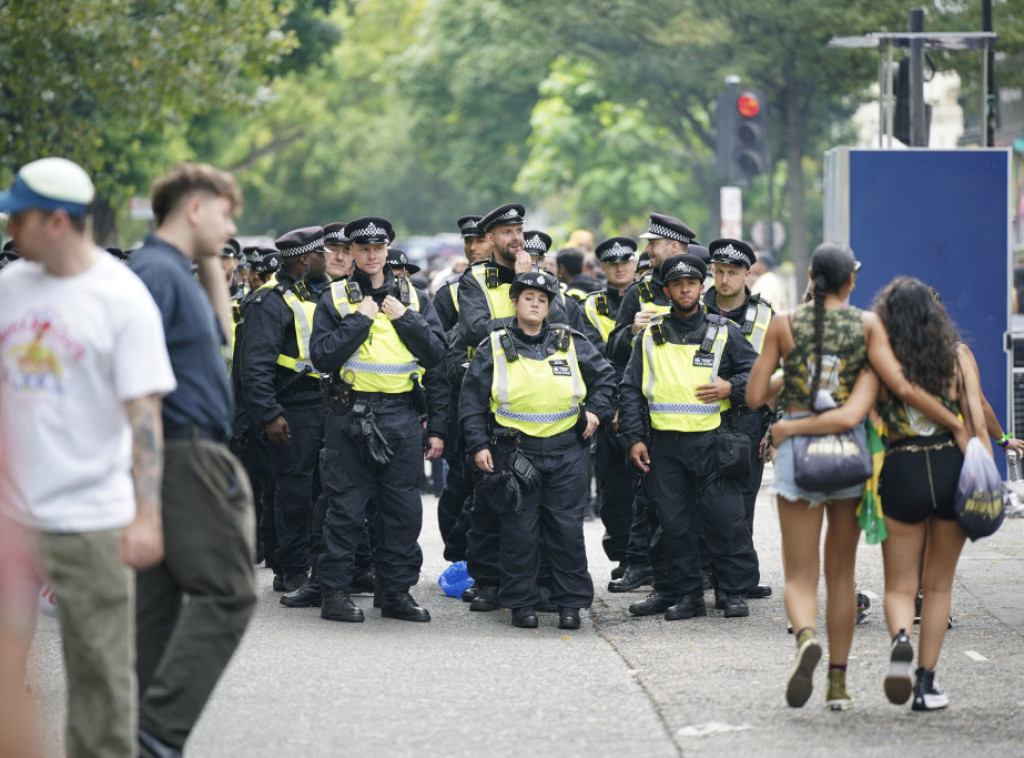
x: 281, y: 289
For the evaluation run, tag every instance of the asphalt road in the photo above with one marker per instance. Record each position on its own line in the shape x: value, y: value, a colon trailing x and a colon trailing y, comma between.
x: 467, y: 684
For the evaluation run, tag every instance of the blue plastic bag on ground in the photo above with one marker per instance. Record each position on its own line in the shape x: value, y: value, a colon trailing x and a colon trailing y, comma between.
x: 455, y: 580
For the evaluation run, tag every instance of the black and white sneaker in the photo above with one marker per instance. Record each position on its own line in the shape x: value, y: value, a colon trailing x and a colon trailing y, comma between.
x: 927, y: 695
x: 898, y: 685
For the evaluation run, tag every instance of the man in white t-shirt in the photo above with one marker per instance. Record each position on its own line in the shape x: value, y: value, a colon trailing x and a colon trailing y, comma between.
x: 83, y: 368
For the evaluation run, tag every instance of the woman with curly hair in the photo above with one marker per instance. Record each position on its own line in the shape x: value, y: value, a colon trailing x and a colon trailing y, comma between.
x: 826, y: 346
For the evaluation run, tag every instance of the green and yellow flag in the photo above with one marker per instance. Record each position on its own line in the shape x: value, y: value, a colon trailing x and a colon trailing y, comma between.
x: 869, y: 512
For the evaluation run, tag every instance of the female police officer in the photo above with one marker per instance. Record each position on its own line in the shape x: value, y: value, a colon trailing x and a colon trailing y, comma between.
x: 524, y: 421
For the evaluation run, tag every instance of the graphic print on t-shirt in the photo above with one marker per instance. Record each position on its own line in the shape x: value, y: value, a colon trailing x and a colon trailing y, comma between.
x: 34, y: 347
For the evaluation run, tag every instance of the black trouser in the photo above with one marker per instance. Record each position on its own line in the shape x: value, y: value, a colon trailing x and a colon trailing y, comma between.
x: 350, y: 485
x: 687, y: 492
x: 183, y: 647
x: 615, y: 490
x: 638, y: 550
x: 364, y: 553
x: 294, y: 467
x: 451, y: 504
x: 483, y: 538
x: 256, y: 461
x: 550, y: 516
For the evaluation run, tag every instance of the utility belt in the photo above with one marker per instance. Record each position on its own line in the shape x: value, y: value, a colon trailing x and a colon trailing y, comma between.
x: 505, y: 440
x: 340, y: 397
x: 194, y: 432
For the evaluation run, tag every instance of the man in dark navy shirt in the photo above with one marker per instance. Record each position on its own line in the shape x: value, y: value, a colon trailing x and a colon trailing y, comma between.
x: 207, y: 502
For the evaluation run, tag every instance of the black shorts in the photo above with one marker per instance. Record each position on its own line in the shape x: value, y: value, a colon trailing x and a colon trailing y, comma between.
x: 919, y: 478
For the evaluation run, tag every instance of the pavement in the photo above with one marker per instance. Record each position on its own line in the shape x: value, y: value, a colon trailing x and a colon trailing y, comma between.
x: 468, y: 684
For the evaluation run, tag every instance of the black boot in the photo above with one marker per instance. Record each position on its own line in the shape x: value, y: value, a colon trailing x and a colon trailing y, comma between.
x: 634, y: 577
x: 469, y: 595
x: 309, y: 595
x: 338, y: 606
x: 362, y: 583
x: 652, y: 604
x: 568, y: 618
x: 292, y: 582
x: 278, y: 582
x: 688, y: 607
x: 524, y: 618
x: 485, y: 600
x: 619, y: 570
x: 400, y: 605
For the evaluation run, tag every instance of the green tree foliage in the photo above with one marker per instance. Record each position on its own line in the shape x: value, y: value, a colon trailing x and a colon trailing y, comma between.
x: 112, y: 84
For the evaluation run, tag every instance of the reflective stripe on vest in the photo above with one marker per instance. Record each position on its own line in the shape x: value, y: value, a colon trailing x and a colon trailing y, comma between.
x: 670, y: 382
x: 302, y: 311
x: 454, y: 287
x: 529, y: 396
x: 603, y: 324
x: 383, y: 363
x: 499, y: 304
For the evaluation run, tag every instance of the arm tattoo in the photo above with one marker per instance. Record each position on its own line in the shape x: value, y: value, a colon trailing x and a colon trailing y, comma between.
x: 147, y: 449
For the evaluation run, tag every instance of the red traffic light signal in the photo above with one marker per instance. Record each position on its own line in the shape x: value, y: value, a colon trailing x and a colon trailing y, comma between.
x: 748, y: 105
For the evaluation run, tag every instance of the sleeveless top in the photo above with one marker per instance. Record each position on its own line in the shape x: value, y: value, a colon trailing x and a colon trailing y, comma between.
x: 844, y: 353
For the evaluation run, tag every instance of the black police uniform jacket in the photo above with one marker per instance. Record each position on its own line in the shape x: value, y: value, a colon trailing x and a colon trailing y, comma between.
x: 737, y: 359
x: 270, y: 331
x: 335, y: 339
x: 474, y: 406
x: 620, y: 341
x: 475, y: 321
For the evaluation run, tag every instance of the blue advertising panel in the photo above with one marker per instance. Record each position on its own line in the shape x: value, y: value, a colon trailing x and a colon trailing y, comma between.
x: 941, y: 216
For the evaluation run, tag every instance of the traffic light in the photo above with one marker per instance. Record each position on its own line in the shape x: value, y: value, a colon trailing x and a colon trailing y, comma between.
x: 741, y: 136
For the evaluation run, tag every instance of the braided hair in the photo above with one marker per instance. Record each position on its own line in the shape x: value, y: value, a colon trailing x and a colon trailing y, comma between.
x: 831, y: 266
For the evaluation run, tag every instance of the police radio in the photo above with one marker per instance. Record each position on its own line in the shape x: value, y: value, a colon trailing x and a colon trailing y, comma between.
x: 508, y: 346
x: 563, y: 340
x: 646, y: 293
x: 404, y: 294
x: 601, y: 304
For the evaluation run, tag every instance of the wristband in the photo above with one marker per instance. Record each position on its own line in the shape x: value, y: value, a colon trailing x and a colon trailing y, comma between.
x: 1005, y: 440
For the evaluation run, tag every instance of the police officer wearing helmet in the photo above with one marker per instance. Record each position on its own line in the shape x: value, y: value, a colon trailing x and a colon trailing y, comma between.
x: 534, y: 392
x: 731, y: 297
x: 283, y: 392
x: 686, y: 368
x: 614, y: 477
x: 378, y: 343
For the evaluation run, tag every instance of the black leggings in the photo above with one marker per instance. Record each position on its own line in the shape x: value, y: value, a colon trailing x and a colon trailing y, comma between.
x: 919, y: 478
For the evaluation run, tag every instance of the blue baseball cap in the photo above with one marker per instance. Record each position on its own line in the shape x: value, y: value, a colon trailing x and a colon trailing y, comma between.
x: 49, y: 184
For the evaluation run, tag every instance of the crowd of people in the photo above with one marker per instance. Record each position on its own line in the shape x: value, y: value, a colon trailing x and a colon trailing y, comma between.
x: 168, y: 420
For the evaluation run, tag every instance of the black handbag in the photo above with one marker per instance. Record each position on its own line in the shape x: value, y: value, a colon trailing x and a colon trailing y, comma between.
x: 829, y: 462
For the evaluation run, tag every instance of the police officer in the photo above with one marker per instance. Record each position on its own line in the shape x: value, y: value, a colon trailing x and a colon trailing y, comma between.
x: 477, y: 248
x: 730, y: 297
x: 525, y: 421
x: 686, y: 366
x: 378, y: 343
x: 261, y: 263
x: 666, y: 236
x: 283, y: 392
x: 578, y: 283
x: 337, y: 259
x: 614, y: 476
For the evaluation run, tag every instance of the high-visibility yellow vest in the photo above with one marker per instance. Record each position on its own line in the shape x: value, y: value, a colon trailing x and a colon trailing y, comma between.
x: 454, y: 287
x: 599, y: 314
x: 671, y: 375
x: 302, y: 312
x: 537, y: 397
x: 498, y: 302
x: 578, y: 294
x: 383, y: 363
x: 759, y: 326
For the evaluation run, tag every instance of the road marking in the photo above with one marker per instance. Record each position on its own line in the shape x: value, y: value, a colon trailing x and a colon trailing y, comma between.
x: 975, y: 656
